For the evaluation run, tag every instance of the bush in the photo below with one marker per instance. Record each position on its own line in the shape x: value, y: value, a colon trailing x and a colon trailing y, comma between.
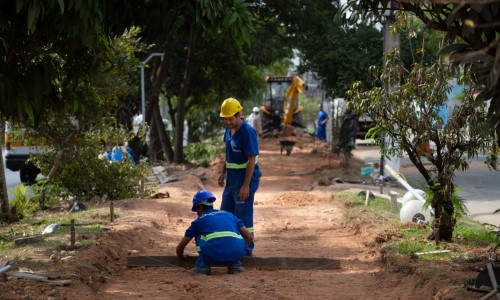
x: 22, y: 203
x: 86, y: 172
x: 201, y: 154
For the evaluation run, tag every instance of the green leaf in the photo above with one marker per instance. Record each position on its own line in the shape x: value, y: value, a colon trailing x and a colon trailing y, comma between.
x: 33, y: 13
x: 19, y: 5
x: 61, y: 5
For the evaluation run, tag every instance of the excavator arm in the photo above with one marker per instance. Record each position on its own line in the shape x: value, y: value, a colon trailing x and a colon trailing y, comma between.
x: 291, y: 95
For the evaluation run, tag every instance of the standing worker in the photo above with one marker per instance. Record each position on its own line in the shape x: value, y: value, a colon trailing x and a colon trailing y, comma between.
x: 322, y: 119
x: 219, y: 236
x: 254, y: 120
x: 241, y: 168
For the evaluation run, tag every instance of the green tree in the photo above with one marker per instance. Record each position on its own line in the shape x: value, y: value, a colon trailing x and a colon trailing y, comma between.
x: 49, y: 51
x: 184, y: 24
x: 471, y: 37
x: 409, y: 115
x: 341, y: 56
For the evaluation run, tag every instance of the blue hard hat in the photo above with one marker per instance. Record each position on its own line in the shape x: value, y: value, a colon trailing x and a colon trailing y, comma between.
x: 201, y: 196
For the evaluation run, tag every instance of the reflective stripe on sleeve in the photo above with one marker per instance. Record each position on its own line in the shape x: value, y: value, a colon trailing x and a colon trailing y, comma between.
x: 250, y: 229
x: 230, y: 165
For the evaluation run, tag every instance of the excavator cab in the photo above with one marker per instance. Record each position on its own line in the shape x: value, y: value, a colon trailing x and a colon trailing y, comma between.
x: 281, y: 107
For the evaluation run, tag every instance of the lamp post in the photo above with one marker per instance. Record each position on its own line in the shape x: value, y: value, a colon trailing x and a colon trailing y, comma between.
x: 391, y: 41
x: 143, y: 93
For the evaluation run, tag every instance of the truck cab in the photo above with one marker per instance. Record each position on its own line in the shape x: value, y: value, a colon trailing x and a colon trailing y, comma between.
x: 17, y: 152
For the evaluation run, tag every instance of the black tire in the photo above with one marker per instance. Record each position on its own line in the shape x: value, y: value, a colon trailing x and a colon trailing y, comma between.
x: 28, y: 174
x: 23, y: 175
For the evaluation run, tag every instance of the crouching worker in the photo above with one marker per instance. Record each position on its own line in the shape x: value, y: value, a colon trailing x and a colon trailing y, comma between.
x: 219, y: 236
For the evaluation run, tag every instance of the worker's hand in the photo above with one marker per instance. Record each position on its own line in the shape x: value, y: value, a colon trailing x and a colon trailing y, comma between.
x: 244, y: 193
x: 249, y: 241
x: 222, y: 178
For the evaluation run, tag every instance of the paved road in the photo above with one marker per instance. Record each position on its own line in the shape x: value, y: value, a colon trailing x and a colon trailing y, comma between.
x: 12, y: 179
x: 480, y: 186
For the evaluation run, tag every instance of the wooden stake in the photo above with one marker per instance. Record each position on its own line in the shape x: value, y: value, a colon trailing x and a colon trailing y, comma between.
x: 142, y: 187
x: 367, y: 199
x: 111, y: 212
x: 381, y: 186
x: 394, y: 202
x: 72, y: 232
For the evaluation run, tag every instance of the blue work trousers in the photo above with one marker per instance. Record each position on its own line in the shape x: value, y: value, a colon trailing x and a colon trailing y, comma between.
x: 203, y: 264
x: 242, y: 209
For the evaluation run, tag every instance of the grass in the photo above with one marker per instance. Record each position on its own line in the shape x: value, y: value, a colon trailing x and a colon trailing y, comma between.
x: 411, y: 237
x: 91, y: 223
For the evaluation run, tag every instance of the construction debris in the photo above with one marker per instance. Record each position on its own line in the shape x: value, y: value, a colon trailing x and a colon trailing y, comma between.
x: 29, y: 240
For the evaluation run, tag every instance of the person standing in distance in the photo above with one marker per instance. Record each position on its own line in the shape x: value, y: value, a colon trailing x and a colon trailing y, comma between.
x: 322, y: 119
x: 240, y: 175
x: 254, y: 120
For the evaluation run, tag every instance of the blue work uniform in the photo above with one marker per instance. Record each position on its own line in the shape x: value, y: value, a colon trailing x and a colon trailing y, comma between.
x: 117, y: 154
x: 218, y: 239
x: 238, y: 147
x: 321, y: 130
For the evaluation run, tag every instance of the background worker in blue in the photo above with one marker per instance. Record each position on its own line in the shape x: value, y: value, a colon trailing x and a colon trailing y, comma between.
x: 322, y: 119
x: 241, y: 167
x: 219, y: 235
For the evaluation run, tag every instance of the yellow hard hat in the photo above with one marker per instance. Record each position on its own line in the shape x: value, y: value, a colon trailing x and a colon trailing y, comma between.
x: 230, y: 107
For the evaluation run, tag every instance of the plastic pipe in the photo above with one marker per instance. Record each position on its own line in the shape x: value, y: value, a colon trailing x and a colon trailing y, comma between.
x: 404, y: 183
x: 5, y: 268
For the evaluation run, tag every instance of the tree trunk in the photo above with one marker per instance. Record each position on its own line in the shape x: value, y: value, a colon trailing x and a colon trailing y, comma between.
x: 157, y: 78
x: 7, y: 216
x: 155, y: 151
x: 444, y: 222
x: 166, y: 146
x: 181, y: 107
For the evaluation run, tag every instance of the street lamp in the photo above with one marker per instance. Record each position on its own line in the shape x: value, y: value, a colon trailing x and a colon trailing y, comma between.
x: 143, y: 94
x: 391, y: 41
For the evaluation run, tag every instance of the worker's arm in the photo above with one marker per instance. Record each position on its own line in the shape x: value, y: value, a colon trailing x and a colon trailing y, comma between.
x: 179, y: 250
x: 325, y: 120
x: 222, y: 176
x: 247, y: 235
x: 245, y: 188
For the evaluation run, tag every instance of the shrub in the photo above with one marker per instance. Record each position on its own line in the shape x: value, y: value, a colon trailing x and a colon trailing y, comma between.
x: 201, y: 153
x: 86, y: 172
x: 22, y: 203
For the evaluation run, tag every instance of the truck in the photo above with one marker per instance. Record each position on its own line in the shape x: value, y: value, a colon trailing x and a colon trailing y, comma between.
x: 281, y: 107
x: 17, y: 151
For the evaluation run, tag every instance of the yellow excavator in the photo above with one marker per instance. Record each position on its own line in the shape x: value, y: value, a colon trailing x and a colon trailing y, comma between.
x: 281, y: 107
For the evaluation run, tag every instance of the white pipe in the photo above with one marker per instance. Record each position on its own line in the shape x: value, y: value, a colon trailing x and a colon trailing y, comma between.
x: 404, y: 183
x: 5, y: 268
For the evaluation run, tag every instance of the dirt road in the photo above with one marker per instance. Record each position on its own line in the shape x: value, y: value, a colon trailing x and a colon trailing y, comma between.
x: 295, y: 216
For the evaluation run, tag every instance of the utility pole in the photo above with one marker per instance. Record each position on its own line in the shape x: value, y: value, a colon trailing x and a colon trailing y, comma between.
x: 391, y: 41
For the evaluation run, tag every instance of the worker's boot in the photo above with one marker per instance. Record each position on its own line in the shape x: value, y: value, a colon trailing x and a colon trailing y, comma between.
x: 234, y: 269
x: 200, y: 271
